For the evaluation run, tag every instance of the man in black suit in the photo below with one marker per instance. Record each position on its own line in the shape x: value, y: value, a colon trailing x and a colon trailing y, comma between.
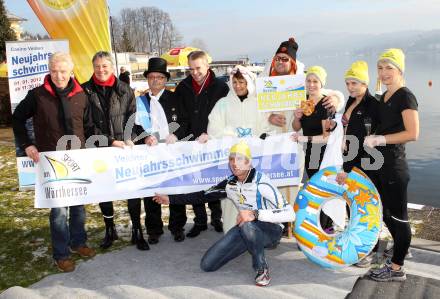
x: 164, y: 127
x: 197, y: 94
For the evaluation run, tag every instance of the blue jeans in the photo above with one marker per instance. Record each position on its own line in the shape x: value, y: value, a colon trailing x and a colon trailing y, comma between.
x: 65, y: 235
x: 252, y: 237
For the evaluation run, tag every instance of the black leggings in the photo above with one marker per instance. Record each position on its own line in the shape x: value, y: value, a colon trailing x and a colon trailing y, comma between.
x: 393, y: 184
x: 314, y: 151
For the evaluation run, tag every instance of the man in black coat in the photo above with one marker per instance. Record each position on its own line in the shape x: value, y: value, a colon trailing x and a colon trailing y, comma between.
x: 124, y: 75
x: 197, y: 95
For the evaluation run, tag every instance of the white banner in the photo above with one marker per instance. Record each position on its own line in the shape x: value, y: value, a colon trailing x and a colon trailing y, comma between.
x: 28, y: 64
x: 280, y: 93
x: 67, y: 178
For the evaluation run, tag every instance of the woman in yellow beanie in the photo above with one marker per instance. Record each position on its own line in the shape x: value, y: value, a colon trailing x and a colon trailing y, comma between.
x: 312, y: 119
x: 398, y: 124
x: 360, y: 118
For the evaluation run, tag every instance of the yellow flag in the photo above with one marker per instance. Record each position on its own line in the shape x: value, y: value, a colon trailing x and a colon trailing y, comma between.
x: 84, y: 23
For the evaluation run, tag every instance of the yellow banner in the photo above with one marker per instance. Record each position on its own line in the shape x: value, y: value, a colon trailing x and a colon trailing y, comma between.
x: 84, y: 23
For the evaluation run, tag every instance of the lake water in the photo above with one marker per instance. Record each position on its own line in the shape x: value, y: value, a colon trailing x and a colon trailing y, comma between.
x: 424, y: 154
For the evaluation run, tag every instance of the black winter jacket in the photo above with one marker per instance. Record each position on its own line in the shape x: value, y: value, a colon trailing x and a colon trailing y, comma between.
x: 368, y: 107
x: 196, y: 108
x: 112, y: 122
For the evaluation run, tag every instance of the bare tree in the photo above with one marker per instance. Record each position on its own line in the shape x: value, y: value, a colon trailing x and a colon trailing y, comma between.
x: 147, y: 29
x: 26, y: 35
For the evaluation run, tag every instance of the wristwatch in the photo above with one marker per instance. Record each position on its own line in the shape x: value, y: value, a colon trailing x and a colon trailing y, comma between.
x: 256, y: 214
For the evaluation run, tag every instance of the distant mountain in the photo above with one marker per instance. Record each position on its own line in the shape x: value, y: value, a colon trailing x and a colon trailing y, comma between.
x: 341, y: 44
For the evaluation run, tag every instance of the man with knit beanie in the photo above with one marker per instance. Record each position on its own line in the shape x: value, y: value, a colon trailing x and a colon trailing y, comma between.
x: 283, y: 63
x: 113, y: 103
x: 258, y: 226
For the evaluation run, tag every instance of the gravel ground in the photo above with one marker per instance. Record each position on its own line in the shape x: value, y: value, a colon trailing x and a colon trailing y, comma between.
x: 426, y: 223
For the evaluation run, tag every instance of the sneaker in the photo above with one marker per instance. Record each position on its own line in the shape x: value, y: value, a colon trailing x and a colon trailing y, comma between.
x: 329, y: 230
x: 263, y: 278
x: 389, y: 253
x: 84, y: 251
x: 376, y: 270
x: 386, y: 273
x: 368, y: 261
x: 66, y: 265
x: 365, y: 262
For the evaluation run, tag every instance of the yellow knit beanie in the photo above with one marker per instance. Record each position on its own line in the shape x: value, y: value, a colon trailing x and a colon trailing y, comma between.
x: 395, y: 57
x: 241, y: 148
x: 358, y: 71
x: 319, y: 72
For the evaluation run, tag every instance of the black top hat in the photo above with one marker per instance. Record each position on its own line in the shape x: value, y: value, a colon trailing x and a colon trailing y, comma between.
x: 157, y: 64
x: 288, y: 47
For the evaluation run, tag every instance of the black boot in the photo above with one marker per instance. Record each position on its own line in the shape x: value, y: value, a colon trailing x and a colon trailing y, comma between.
x: 138, y: 239
x: 110, y: 235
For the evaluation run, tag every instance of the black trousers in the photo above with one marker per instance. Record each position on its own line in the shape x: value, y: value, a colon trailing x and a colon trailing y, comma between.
x: 393, y: 188
x: 153, y: 215
x: 177, y: 219
x: 201, y: 218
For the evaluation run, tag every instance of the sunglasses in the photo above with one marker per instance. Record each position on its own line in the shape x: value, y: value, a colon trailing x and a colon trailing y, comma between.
x: 281, y: 59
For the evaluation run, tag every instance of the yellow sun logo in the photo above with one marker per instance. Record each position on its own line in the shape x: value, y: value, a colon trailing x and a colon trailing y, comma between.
x: 99, y: 166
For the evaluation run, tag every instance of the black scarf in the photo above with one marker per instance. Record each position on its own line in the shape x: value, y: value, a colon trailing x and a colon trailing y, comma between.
x: 64, y: 112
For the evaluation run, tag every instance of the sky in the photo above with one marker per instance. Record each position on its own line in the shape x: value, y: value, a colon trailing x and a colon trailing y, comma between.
x: 233, y: 28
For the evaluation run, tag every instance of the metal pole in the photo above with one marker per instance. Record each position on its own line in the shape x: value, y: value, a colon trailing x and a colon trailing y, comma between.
x: 114, y: 45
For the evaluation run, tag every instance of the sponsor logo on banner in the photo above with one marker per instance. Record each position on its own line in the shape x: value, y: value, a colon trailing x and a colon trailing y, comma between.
x: 280, y: 93
x: 61, y: 180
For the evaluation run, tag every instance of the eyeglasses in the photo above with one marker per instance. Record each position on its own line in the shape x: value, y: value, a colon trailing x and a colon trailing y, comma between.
x: 281, y: 59
x: 156, y: 77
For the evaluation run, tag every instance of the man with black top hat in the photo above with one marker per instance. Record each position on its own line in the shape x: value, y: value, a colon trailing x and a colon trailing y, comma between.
x: 198, y: 93
x: 158, y: 114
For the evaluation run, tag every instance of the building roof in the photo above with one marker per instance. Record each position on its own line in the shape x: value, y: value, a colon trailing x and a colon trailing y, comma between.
x: 12, y: 17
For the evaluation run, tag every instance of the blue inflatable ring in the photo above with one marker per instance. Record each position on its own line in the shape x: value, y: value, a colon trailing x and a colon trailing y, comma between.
x: 360, y: 234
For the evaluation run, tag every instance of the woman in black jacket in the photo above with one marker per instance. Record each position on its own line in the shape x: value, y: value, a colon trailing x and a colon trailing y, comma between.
x: 113, y: 106
x: 360, y: 118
